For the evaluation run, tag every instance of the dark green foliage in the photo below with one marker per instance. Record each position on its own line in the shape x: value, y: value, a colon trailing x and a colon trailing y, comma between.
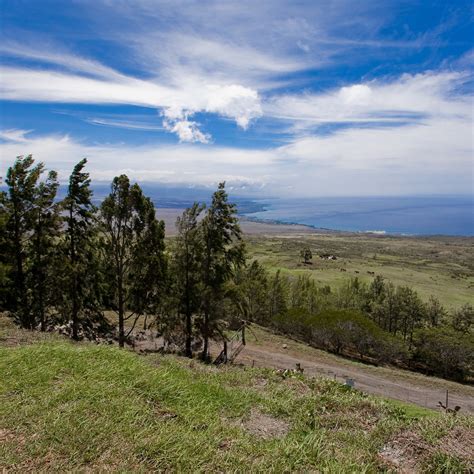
x: 252, y: 289
x: 435, y: 312
x: 463, y: 319
x: 21, y: 180
x: 133, y: 251
x: 186, y: 269
x: 445, y: 352
x: 43, y: 246
x: 223, y: 255
x: 306, y: 255
x: 6, y: 289
x: 278, y: 295
x: 30, y: 223
x: 340, y: 331
x: 78, y: 265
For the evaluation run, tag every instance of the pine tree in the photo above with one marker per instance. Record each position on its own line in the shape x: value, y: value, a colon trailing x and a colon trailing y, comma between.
x: 133, y: 246
x: 186, y: 266
x: 223, y: 253
x: 42, y: 247
x: 22, y: 179
x: 5, y: 261
x: 80, y: 266
x: 278, y: 296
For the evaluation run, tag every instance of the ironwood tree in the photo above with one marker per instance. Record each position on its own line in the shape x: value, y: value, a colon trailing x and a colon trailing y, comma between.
x: 133, y: 251
x: 223, y: 254
x: 22, y: 180
x: 306, y: 255
x: 186, y: 269
x: 79, y: 265
x: 42, y: 248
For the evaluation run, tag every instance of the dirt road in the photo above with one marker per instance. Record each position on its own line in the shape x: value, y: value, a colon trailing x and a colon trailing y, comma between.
x: 400, y: 385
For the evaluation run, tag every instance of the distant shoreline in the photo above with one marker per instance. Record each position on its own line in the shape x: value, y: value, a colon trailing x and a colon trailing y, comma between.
x: 377, y: 233
x: 255, y: 226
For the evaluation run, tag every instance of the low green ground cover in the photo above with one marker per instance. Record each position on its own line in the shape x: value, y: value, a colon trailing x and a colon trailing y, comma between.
x: 68, y: 406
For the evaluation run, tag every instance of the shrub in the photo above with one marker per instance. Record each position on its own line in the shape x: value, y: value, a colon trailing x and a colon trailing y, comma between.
x: 446, y: 352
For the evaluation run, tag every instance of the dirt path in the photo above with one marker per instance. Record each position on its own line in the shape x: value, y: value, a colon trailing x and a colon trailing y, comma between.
x: 375, y: 383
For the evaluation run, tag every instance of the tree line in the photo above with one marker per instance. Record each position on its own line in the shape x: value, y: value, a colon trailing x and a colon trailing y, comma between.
x: 66, y: 261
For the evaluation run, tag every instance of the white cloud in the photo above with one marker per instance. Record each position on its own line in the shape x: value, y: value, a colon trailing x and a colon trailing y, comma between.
x: 14, y: 135
x: 431, y: 157
x: 409, y: 98
x: 177, y: 103
x: 186, y: 130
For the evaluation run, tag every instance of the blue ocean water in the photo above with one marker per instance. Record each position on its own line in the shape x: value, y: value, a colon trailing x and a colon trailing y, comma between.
x: 427, y: 215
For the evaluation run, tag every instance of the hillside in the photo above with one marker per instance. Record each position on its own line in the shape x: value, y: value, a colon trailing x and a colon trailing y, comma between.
x: 78, y: 406
x: 438, y: 266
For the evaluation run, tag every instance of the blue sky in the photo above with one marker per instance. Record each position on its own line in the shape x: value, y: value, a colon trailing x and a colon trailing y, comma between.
x: 276, y: 97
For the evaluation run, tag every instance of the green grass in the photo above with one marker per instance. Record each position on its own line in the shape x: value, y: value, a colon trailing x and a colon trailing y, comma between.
x: 442, y: 266
x: 68, y: 406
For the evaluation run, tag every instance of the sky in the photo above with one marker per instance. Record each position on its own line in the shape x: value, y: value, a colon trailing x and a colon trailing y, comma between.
x: 278, y: 98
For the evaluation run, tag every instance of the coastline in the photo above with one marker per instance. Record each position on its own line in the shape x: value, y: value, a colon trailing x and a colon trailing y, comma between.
x: 373, y: 233
x: 255, y: 226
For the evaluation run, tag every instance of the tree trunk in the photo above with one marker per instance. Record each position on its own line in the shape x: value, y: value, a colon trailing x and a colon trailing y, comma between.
x: 75, y: 305
x: 205, y: 350
x: 121, y: 312
x: 189, y: 335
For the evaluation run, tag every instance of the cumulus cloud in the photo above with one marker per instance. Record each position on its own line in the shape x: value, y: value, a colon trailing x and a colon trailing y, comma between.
x: 186, y: 130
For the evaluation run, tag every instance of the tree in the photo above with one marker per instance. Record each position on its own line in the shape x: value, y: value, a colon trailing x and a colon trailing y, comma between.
x: 445, y: 352
x: 22, y: 179
x: 79, y: 266
x: 133, y: 245
x: 223, y: 253
x: 411, y: 311
x: 5, y: 261
x: 42, y: 247
x: 463, y: 318
x: 186, y: 266
x: 278, y: 295
x: 435, y: 311
x: 252, y: 293
x: 306, y: 255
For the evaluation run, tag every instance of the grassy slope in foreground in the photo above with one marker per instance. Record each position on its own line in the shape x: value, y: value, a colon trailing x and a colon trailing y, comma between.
x: 71, y: 406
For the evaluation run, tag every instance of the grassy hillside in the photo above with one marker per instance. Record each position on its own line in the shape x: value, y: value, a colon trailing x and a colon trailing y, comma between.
x: 71, y: 406
x: 440, y: 266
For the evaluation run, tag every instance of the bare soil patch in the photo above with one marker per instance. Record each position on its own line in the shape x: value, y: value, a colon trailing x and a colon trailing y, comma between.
x: 265, y: 426
x: 408, y: 450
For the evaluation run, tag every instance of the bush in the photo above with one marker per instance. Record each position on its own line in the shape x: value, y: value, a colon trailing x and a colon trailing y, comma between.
x: 445, y: 352
x: 341, y: 331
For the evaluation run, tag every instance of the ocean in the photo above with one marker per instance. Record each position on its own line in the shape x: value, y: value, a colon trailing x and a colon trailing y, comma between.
x: 427, y: 215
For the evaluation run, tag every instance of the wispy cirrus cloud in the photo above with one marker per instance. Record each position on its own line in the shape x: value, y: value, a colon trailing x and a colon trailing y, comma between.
x: 406, y: 99
x: 176, y: 104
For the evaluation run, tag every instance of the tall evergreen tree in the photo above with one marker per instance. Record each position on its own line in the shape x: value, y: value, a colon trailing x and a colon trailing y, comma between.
x: 187, y: 261
x: 43, y: 244
x: 133, y: 244
x: 252, y: 293
x: 278, y: 295
x: 5, y: 260
x: 22, y: 179
x: 223, y: 253
x: 80, y: 270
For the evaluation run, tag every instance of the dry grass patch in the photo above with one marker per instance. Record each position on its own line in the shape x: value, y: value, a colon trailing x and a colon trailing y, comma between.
x: 265, y: 426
